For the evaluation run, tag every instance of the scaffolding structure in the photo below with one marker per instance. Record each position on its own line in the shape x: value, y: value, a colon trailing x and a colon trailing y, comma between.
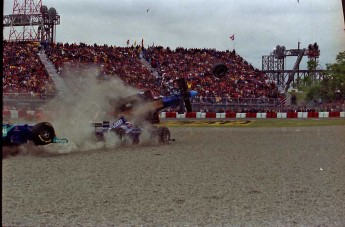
x: 31, y: 21
x: 274, y: 66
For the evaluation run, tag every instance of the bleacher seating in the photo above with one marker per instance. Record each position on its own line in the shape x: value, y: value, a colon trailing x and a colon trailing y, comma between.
x: 23, y: 72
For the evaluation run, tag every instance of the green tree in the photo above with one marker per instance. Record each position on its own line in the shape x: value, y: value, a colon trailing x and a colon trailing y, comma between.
x: 332, y: 87
x: 306, y: 82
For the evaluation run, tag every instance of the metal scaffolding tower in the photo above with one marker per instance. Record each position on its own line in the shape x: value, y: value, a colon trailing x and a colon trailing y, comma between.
x: 37, y: 23
x: 274, y: 65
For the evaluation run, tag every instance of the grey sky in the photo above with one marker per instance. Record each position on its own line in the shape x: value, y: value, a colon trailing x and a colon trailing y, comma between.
x: 258, y: 25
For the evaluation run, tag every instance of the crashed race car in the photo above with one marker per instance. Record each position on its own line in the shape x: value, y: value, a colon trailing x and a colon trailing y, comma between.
x: 146, y: 107
x: 128, y: 133
x: 42, y: 133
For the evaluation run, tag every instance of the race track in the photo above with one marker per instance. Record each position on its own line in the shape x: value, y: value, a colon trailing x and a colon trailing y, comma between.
x: 285, y: 176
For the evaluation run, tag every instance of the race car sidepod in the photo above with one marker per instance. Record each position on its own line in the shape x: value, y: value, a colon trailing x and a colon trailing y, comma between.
x: 42, y: 133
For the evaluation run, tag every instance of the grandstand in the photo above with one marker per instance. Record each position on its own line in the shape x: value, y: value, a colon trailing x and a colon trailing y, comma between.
x: 154, y: 68
x: 25, y: 79
x: 244, y: 89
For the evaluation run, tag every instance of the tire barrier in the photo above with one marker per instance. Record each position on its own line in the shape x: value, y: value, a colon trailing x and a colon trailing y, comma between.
x: 313, y: 115
x: 292, y: 115
x: 272, y: 115
x: 334, y: 114
x: 230, y: 115
x: 211, y: 115
x: 40, y: 115
x: 191, y: 115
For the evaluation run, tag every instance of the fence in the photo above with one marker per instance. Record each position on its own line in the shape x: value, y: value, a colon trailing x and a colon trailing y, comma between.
x: 222, y: 104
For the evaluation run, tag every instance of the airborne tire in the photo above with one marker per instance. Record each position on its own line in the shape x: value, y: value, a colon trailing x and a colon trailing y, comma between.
x: 163, y: 134
x: 43, y: 133
x: 219, y: 70
x: 121, y: 133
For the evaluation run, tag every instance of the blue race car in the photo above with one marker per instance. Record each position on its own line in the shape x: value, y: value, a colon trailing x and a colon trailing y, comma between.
x: 127, y: 132
x: 41, y: 133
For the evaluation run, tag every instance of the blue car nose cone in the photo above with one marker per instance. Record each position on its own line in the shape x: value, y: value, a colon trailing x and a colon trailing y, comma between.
x: 193, y: 93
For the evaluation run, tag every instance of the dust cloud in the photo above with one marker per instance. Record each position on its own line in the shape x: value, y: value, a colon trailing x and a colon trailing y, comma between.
x: 85, y: 100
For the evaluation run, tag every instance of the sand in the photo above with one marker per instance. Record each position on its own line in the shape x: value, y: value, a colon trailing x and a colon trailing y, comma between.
x: 208, y: 176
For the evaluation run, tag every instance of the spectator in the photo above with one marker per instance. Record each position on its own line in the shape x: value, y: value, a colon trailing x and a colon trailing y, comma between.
x: 23, y: 72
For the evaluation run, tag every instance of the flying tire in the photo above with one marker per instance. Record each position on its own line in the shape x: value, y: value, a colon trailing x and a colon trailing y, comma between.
x: 219, y: 70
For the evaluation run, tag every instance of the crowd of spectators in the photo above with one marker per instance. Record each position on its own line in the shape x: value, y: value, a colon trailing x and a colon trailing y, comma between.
x: 195, y: 65
x: 165, y: 65
x: 23, y: 71
x: 153, y: 68
x: 110, y: 61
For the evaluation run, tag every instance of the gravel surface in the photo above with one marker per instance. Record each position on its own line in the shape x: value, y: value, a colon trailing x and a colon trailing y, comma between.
x: 208, y: 176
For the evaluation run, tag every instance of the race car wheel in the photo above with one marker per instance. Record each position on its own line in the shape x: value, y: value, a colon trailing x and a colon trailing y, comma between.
x: 125, y: 138
x: 163, y: 134
x: 43, y: 133
x: 121, y: 133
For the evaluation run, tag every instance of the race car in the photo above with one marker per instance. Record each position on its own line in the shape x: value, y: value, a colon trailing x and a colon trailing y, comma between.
x: 126, y: 132
x: 146, y: 105
x: 42, y: 133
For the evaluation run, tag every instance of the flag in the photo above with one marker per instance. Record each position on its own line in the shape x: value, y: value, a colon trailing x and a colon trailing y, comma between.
x: 127, y: 42
x: 232, y: 37
x: 135, y: 43
x: 142, y: 42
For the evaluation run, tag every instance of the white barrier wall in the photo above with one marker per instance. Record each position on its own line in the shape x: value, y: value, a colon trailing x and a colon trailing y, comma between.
x: 14, y: 114
x: 181, y: 115
x: 261, y: 115
x: 281, y: 115
x: 200, y: 115
x: 240, y: 115
x: 30, y: 112
x: 323, y: 114
x: 302, y: 115
x: 162, y: 115
x: 220, y: 115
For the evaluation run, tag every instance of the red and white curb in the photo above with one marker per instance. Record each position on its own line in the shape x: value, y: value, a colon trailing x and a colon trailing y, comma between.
x: 41, y: 115
x: 253, y: 115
